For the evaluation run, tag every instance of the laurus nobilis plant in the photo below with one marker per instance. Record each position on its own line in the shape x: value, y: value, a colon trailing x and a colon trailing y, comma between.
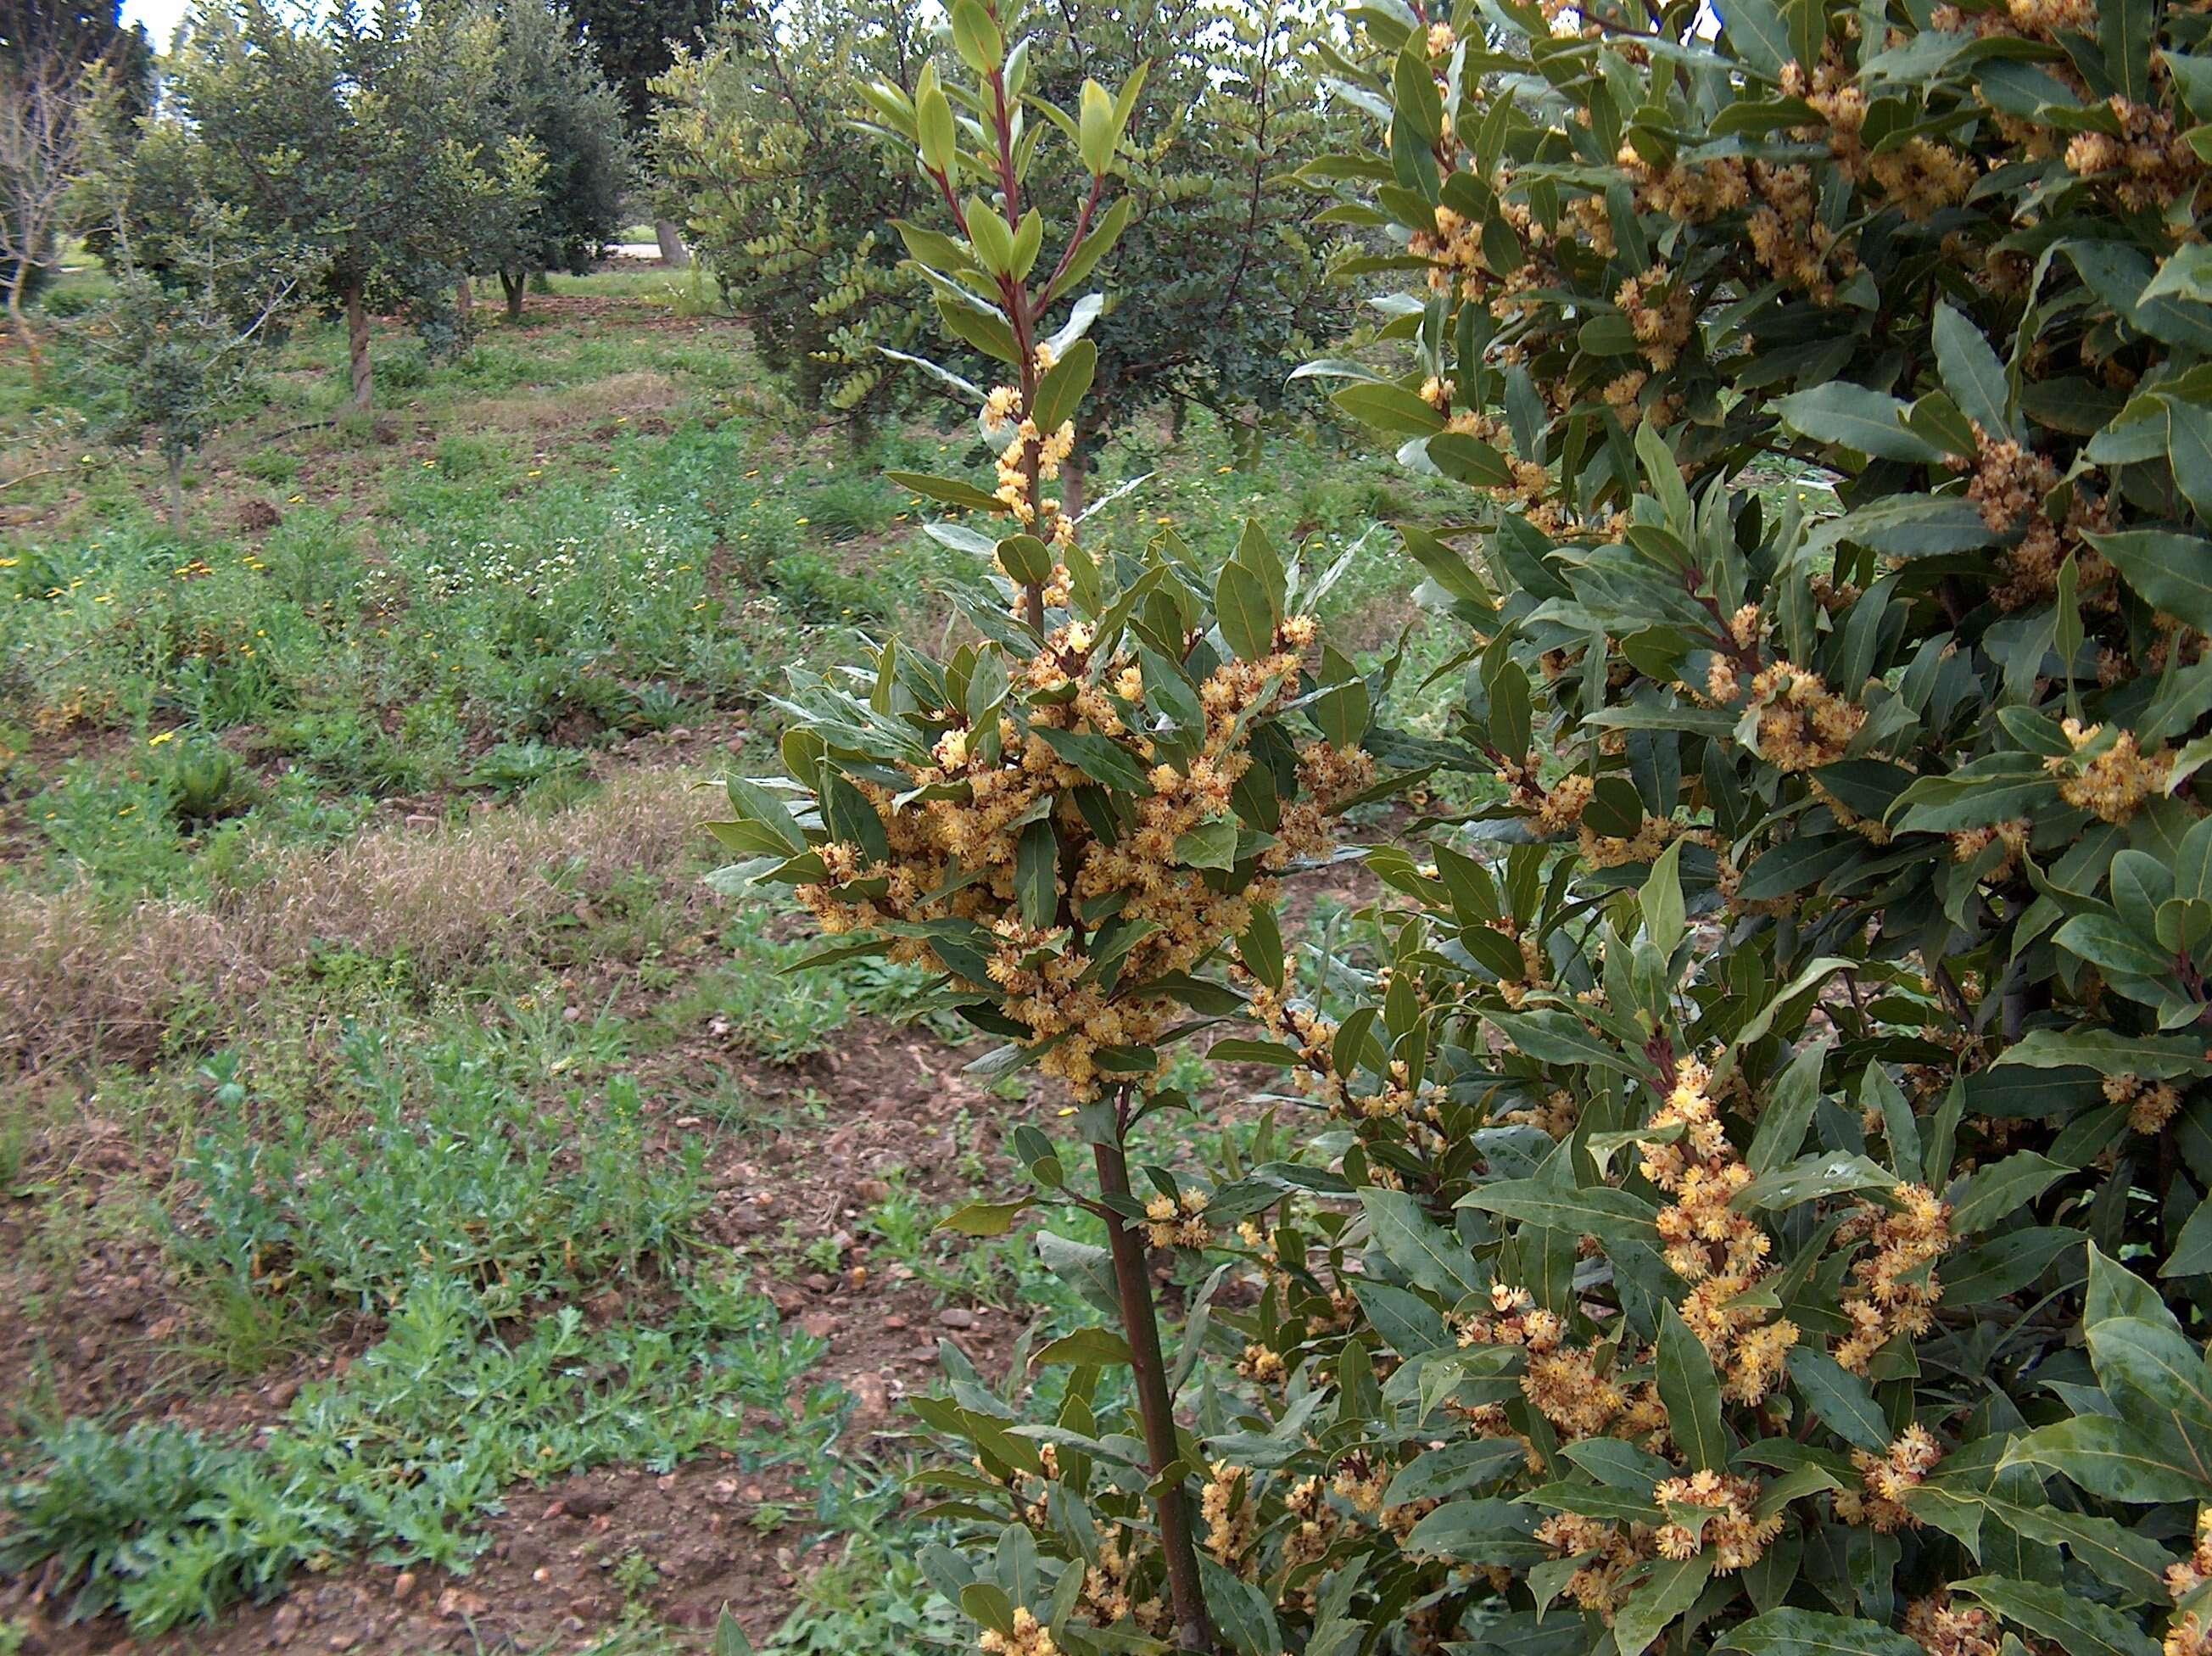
x: 1074, y: 818
x: 1754, y: 1199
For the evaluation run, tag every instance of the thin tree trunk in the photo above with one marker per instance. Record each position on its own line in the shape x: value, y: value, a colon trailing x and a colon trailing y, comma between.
x: 356, y: 310
x: 176, y: 491
x: 21, y: 325
x: 1194, y: 1627
x: 513, y: 283
x: 674, y: 252
x: 1074, y: 475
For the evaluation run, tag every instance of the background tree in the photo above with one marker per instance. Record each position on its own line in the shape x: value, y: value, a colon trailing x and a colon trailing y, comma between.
x: 370, y: 139
x: 636, y: 41
x: 788, y: 212
x: 42, y: 135
x: 165, y: 357
x: 1218, y: 281
x: 1219, y: 284
x: 554, y: 98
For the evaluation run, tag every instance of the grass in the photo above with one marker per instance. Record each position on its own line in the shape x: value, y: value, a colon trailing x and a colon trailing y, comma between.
x: 351, y: 885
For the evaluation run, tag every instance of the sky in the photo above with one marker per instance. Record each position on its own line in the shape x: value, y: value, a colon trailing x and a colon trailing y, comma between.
x: 160, y: 17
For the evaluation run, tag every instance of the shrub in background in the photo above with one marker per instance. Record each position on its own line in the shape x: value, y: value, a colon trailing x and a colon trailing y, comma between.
x: 1755, y: 1201
x: 1217, y: 279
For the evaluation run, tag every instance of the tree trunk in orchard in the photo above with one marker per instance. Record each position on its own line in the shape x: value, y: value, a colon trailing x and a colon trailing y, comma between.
x: 357, y: 311
x: 674, y: 252
x: 513, y: 283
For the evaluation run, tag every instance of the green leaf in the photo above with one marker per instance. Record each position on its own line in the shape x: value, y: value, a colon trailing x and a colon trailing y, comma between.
x: 2107, y: 942
x: 1871, y: 421
x: 983, y: 1218
x: 1971, y: 373
x: 2125, y: 29
x: 2171, y: 572
x: 952, y: 491
x: 2157, y: 1378
x: 1061, y: 389
x: 729, y: 1638
x: 1487, y: 1531
x: 1669, y: 1588
x: 1246, y: 614
x: 2082, y: 1626
x: 1099, y: 759
x: 756, y: 805
x: 1454, y: 1467
x: 2129, y: 1561
x: 1211, y: 844
x: 1994, y: 1189
x: 1793, y: 1096
x: 1691, y: 1390
x: 1036, y: 874
x: 1390, y: 408
x: 2110, y: 1052
x: 2192, y: 1249
x: 1596, y: 1210
x: 1832, y: 1173
x: 2111, y: 1459
x: 1662, y: 900
x: 1815, y: 1633
x: 1432, y: 1256
x: 1088, y: 1348
x: 1760, y: 36
x: 1843, y: 1401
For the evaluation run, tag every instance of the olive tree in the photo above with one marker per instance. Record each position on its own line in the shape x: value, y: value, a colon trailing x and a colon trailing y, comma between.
x: 168, y: 356
x: 369, y: 138
x: 553, y: 98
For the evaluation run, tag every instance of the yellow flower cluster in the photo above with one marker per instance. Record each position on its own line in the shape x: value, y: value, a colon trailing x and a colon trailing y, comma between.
x: 1599, y: 1584
x: 1228, y: 1521
x: 1942, y: 1629
x: 1106, y: 1596
x: 1803, y: 724
x: 2191, y: 1634
x: 1044, y: 975
x: 1894, y: 1290
x: 1721, y: 1253
x: 1262, y: 1365
x: 2009, y: 481
x: 1660, y: 310
x: 2150, y: 1104
x: 1612, y: 851
x: 1178, y: 1221
x: 1029, y: 1637
x: 1969, y: 842
x: 2148, y: 167
x: 2116, y: 778
x: 1563, y: 1382
x: 1728, y: 1524
x: 1888, y: 1479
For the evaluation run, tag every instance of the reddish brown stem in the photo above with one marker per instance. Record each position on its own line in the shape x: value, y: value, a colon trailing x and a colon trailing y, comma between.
x: 1155, y: 1407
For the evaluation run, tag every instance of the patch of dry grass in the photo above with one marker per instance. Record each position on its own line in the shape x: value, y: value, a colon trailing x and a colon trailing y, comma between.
x: 641, y: 391
x: 80, y: 982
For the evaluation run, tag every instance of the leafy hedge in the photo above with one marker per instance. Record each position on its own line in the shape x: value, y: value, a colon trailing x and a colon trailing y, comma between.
x: 1746, y: 1191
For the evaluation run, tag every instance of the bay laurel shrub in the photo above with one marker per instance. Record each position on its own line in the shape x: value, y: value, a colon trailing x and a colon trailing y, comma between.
x: 1742, y: 1188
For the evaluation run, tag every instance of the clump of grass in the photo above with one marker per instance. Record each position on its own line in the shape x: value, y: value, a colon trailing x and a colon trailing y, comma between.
x: 85, y: 980
x: 452, y: 1170
x: 400, y: 1456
